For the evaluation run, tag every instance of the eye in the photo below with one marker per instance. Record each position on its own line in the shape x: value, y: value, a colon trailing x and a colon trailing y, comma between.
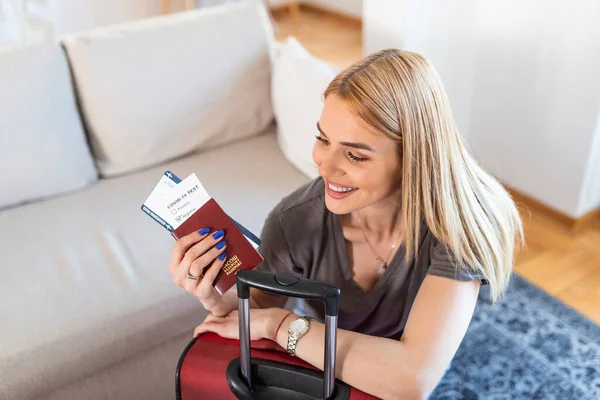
x: 354, y: 158
x: 323, y: 141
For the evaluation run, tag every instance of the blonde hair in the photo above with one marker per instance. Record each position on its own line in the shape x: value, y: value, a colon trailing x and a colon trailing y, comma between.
x: 400, y: 94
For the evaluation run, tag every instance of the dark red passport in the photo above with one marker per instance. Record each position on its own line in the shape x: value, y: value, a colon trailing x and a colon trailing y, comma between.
x: 240, y: 253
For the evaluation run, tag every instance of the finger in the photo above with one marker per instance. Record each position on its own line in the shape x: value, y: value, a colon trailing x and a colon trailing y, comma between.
x: 198, y: 331
x: 203, y: 246
x: 213, y: 318
x: 203, y: 259
x: 198, y: 265
x: 183, y: 244
x: 178, y: 254
x: 219, y: 328
x: 197, y: 268
x: 203, y: 328
x: 225, y: 328
x: 205, y: 288
x: 190, y: 284
x: 200, y: 257
x: 180, y: 274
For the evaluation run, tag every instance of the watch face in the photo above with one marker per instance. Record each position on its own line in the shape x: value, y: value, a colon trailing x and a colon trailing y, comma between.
x: 298, y: 326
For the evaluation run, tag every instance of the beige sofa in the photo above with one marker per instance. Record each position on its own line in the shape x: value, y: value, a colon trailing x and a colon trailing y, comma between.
x: 88, y: 124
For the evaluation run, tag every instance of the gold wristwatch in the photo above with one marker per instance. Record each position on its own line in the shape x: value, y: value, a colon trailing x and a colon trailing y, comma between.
x: 297, y: 330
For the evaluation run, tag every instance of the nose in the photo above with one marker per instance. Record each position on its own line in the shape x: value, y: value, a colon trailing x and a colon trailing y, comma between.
x: 329, y: 164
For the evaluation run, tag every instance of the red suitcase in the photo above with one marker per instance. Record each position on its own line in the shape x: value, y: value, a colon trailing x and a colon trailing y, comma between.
x: 215, y: 368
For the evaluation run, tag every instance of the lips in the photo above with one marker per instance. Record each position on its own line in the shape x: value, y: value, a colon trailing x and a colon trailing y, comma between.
x: 338, y: 191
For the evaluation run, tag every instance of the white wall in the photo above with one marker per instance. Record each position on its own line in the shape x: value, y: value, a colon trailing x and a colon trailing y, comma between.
x: 523, y: 84
x: 423, y: 26
x: 11, y: 32
x: 590, y: 196
x: 536, y: 99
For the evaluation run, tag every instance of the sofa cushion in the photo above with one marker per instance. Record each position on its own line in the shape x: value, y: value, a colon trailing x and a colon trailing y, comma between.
x: 83, y: 278
x: 43, y: 150
x: 146, y: 376
x: 157, y: 89
x: 299, y: 81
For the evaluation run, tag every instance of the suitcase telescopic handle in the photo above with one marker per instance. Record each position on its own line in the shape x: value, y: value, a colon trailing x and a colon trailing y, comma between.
x: 291, y: 286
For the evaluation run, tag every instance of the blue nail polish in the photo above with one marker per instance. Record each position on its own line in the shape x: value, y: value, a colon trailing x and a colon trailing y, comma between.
x: 222, y: 256
x: 218, y: 234
x: 204, y: 231
x: 221, y: 244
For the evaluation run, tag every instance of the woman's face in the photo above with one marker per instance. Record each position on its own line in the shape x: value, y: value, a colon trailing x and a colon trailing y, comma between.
x: 360, y: 165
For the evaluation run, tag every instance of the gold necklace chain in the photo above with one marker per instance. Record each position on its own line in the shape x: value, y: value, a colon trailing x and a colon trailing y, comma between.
x: 383, y: 263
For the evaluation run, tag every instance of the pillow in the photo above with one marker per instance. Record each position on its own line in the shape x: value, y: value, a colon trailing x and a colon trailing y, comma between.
x: 43, y: 149
x: 299, y: 81
x: 156, y: 89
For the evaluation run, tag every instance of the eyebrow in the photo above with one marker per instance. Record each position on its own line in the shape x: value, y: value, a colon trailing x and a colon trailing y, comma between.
x: 360, y: 146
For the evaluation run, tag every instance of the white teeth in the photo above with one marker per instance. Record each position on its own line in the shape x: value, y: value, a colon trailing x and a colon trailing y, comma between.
x: 338, y: 189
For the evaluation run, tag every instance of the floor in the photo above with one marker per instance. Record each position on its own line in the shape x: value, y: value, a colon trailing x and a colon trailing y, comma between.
x: 563, y: 264
x: 336, y: 40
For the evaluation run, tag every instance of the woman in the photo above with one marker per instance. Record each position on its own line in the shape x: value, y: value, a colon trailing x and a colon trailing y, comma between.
x: 402, y: 219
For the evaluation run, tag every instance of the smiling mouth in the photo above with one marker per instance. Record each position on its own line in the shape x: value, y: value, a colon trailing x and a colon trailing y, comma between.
x: 340, y: 189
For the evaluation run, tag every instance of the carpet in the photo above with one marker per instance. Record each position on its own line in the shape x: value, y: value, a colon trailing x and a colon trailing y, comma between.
x: 528, y: 346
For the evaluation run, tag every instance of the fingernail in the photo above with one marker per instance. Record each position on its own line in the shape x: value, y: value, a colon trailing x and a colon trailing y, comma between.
x: 220, y: 245
x: 222, y: 256
x: 218, y: 234
x: 204, y: 231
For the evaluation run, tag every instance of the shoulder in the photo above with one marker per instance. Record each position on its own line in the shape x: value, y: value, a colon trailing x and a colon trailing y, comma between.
x: 307, y: 200
x: 294, y: 227
x: 442, y: 262
x: 300, y: 217
x: 435, y: 251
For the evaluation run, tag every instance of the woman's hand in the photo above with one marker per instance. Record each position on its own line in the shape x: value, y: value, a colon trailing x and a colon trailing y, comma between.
x: 263, y: 324
x: 201, y: 254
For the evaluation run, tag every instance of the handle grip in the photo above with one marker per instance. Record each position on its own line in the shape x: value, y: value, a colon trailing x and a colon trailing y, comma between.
x: 292, y: 286
x: 287, y: 285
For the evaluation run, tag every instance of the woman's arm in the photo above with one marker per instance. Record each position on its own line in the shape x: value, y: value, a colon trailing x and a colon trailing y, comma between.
x: 409, y: 368
x: 258, y: 299
x: 406, y: 369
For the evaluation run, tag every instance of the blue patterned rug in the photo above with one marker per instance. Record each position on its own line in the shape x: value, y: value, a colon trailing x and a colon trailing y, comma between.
x: 529, y: 346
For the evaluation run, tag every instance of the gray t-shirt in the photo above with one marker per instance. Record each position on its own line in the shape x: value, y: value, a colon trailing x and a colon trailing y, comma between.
x: 302, y: 237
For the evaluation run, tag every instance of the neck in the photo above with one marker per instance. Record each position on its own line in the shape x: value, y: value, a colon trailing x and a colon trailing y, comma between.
x: 382, y: 217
